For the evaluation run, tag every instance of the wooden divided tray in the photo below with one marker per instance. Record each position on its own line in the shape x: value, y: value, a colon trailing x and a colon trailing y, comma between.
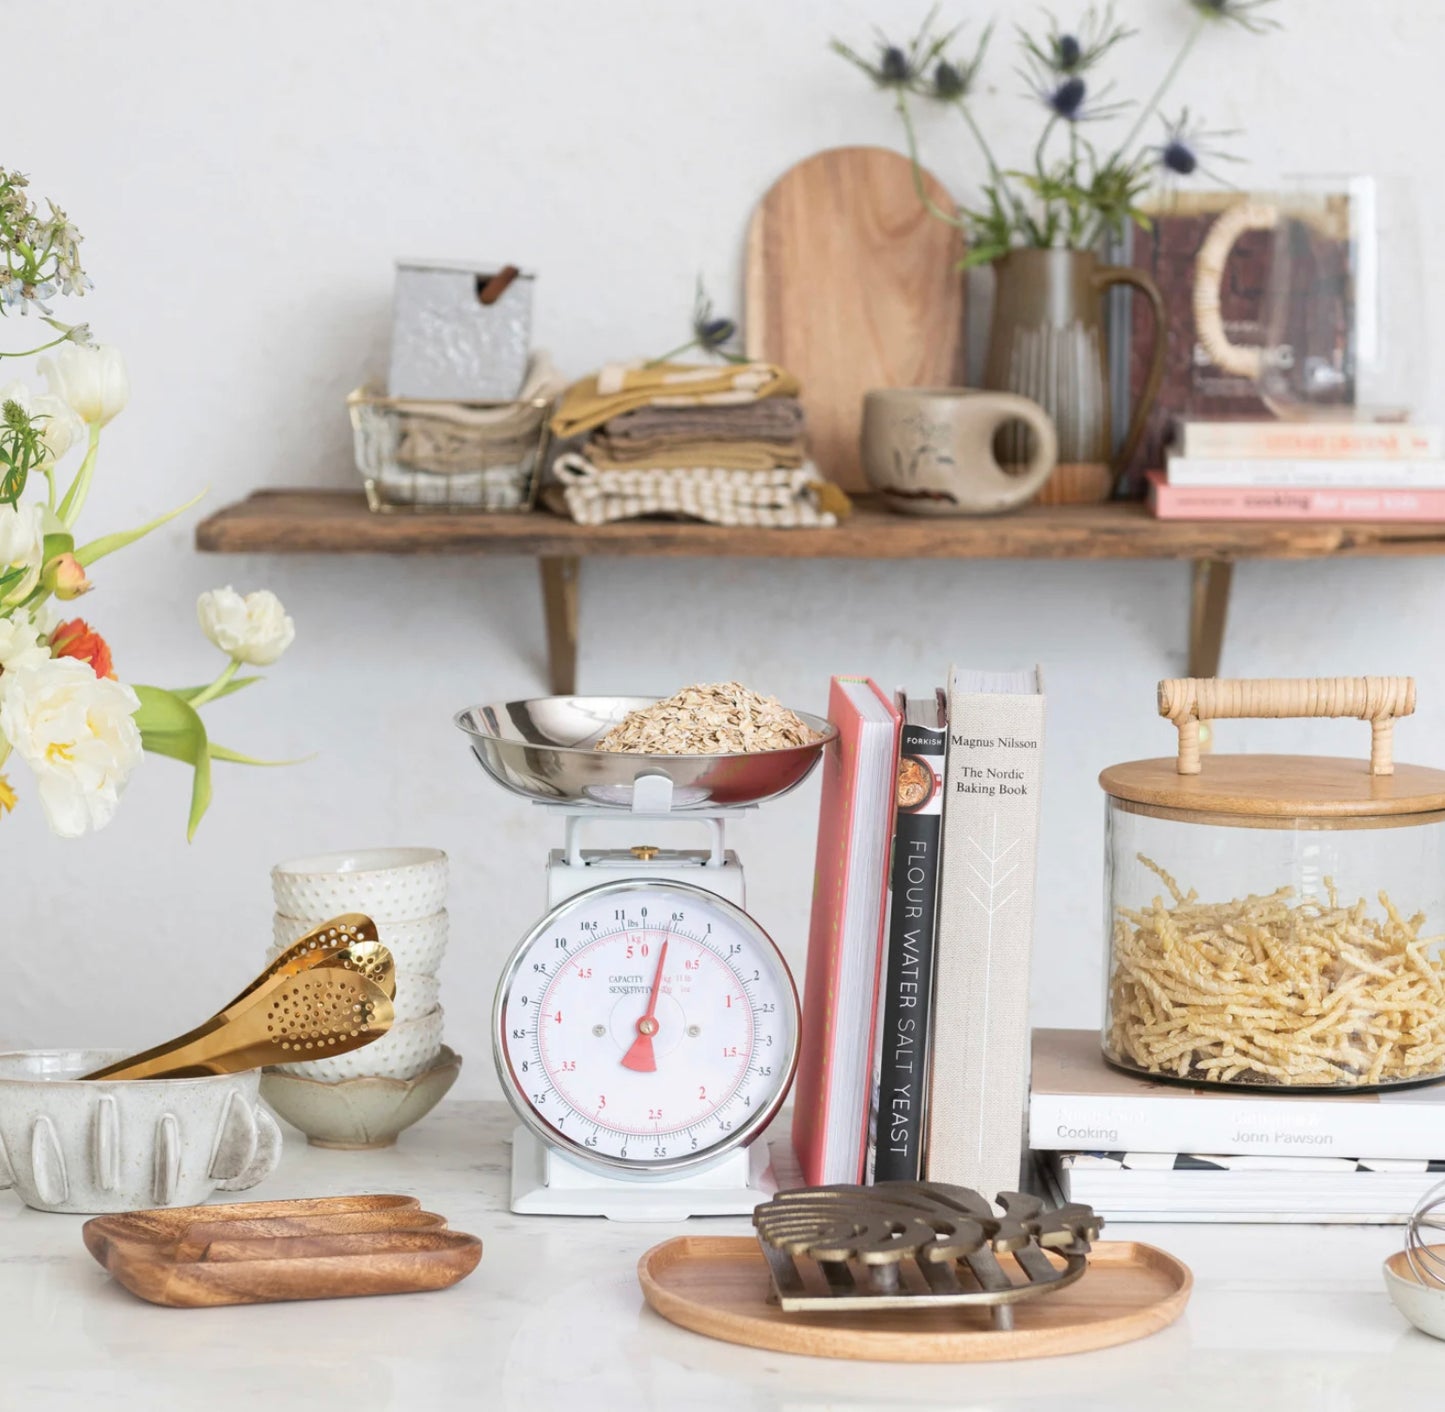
x: 719, y: 1286
x: 257, y: 1252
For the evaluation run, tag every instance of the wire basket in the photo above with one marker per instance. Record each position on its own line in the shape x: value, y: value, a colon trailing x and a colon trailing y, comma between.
x: 416, y: 455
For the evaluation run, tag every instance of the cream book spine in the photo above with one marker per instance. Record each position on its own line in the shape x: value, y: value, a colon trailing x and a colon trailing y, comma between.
x: 980, y: 1067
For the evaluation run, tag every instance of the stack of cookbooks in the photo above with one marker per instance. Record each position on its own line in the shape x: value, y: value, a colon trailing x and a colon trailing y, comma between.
x: 1141, y: 1150
x: 914, y: 1057
x: 1297, y: 470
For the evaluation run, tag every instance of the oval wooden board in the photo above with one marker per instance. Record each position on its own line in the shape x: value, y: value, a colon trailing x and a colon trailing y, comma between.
x: 719, y: 1285
x: 850, y: 285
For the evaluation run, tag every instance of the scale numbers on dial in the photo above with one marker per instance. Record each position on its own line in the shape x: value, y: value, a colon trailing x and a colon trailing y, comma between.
x: 646, y: 1024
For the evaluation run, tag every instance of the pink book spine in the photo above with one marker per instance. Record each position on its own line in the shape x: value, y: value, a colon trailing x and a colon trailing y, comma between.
x: 1174, y: 502
x: 811, y: 1091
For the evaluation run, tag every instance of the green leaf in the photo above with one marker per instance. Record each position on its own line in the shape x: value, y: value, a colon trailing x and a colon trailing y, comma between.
x: 74, y: 499
x: 189, y: 693
x: 170, y: 726
x: 109, y: 543
x: 982, y: 255
x: 219, y: 752
x: 59, y: 543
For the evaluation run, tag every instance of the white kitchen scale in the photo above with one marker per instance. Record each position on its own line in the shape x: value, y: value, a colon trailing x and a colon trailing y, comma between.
x: 645, y: 1030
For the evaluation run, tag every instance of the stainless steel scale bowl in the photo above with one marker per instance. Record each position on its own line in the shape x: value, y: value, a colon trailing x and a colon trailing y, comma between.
x: 543, y: 749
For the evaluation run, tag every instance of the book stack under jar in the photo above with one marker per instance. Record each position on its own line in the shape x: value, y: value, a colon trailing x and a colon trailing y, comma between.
x: 1297, y: 470
x: 403, y: 890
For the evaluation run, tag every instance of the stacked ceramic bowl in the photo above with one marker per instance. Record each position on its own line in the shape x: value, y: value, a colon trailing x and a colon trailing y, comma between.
x: 358, y: 1099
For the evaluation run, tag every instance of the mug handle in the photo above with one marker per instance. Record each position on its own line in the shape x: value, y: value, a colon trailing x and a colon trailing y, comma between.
x: 268, y: 1154
x: 1105, y: 279
x: 1011, y: 407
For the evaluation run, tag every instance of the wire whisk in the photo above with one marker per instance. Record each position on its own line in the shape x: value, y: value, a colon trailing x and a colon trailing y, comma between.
x: 1427, y: 1263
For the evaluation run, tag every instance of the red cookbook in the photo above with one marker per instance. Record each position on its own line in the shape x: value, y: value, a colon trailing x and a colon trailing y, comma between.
x: 845, y: 940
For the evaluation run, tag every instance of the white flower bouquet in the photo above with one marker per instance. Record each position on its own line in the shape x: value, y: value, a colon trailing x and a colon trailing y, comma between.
x: 62, y: 710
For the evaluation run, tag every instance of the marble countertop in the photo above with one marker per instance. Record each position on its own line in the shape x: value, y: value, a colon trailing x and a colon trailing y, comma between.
x: 1281, y: 1317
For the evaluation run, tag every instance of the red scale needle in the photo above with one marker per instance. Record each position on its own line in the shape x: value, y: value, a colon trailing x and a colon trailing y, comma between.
x: 640, y: 1055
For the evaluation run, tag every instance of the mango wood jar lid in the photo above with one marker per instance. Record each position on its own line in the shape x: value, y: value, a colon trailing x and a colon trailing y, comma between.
x: 1282, y: 791
x: 1278, y: 787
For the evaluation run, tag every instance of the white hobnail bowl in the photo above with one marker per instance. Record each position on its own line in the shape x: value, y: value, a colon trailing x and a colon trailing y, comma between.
x: 407, y: 1049
x: 388, y: 884
x: 416, y: 995
x: 416, y: 946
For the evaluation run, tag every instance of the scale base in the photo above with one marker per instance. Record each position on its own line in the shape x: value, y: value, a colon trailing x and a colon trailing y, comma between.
x: 545, y: 1183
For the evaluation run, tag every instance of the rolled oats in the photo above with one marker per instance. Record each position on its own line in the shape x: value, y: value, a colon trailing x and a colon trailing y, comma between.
x: 723, y: 718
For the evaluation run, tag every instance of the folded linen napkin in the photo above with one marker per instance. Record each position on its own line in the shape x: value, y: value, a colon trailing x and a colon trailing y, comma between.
x: 778, y: 498
x: 616, y: 389
x: 672, y: 453
x: 770, y: 419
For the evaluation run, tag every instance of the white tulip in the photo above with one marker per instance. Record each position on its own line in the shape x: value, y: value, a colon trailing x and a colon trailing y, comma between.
x: 92, y: 381
x: 77, y: 732
x: 61, y: 427
x: 20, y: 644
x: 22, y: 546
x: 254, y: 629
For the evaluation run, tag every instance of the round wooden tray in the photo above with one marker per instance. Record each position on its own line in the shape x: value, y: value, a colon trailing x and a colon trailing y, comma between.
x: 719, y: 1286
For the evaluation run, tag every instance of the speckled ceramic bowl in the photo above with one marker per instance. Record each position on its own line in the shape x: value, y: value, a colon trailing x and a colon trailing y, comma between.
x: 359, y: 1113
x: 126, y: 1144
x: 1422, y: 1303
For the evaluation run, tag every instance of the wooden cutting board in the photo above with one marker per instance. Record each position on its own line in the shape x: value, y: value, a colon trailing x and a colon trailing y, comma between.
x: 850, y: 285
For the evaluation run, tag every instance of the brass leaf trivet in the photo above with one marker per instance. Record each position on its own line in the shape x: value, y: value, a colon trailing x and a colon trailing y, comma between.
x: 898, y: 1244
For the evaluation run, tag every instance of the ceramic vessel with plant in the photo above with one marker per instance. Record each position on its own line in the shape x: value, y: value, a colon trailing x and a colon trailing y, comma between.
x: 64, y: 713
x: 1042, y: 226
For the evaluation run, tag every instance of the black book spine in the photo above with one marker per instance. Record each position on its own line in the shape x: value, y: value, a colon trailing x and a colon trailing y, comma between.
x: 900, y: 1120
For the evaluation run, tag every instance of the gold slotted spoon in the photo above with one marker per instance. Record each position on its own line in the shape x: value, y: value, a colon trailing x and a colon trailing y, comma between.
x: 349, y: 941
x: 339, y: 1000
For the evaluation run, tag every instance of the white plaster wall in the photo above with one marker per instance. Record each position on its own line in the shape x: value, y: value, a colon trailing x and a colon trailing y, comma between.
x: 244, y: 176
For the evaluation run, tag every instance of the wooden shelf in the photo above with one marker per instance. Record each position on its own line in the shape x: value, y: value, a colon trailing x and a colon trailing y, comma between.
x: 338, y: 522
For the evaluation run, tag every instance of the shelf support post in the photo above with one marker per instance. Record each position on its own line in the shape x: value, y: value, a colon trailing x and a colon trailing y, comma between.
x: 560, y: 581
x: 1208, y: 610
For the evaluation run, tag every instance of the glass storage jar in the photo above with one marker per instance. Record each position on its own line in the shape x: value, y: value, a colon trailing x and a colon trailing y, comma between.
x: 1276, y: 920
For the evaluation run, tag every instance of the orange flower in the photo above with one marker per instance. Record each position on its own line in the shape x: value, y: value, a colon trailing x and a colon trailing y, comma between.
x: 79, y: 640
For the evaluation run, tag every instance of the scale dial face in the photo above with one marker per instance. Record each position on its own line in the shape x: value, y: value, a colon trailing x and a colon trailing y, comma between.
x: 646, y: 1026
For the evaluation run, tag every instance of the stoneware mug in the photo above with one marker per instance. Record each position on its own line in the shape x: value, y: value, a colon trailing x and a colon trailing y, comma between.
x: 930, y: 450
x: 127, y: 1144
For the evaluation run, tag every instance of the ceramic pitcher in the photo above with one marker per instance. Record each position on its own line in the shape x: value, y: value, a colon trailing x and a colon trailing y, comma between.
x: 1048, y: 342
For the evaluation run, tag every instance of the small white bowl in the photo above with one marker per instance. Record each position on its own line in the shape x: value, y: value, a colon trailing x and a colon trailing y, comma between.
x: 1422, y: 1304
x: 359, y: 1113
x: 126, y: 1144
x: 407, y: 1049
x: 416, y: 946
x: 388, y: 884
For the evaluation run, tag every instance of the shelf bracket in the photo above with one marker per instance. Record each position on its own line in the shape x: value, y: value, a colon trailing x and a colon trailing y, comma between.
x: 1208, y: 610
x: 560, y: 582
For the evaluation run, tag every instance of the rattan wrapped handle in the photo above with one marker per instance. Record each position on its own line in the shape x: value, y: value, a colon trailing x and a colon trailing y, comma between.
x: 1379, y: 700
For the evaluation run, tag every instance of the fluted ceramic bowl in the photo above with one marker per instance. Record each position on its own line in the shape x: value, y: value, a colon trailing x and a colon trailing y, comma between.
x: 126, y: 1144
x: 363, y: 1112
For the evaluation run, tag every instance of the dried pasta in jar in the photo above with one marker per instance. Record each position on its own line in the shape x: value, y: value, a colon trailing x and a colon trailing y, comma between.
x: 1275, y: 989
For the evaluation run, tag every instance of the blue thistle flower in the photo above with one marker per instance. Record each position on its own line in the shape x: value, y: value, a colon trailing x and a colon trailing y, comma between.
x: 1244, y: 13
x: 894, y: 67
x: 1186, y: 148
x: 1067, y: 99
